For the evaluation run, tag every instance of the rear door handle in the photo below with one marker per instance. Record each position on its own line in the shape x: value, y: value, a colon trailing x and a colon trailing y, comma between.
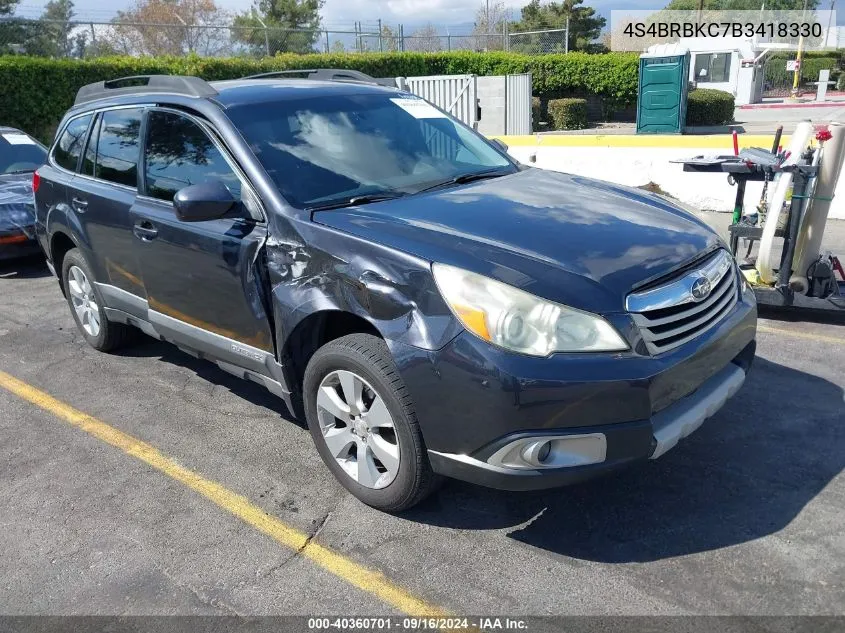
x: 80, y: 205
x: 145, y: 231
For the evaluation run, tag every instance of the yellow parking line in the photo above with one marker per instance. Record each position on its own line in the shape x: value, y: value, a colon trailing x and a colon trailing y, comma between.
x: 368, y: 580
x: 807, y: 335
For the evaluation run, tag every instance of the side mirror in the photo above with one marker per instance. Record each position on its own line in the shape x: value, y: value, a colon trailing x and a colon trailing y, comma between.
x: 208, y: 200
x: 500, y: 144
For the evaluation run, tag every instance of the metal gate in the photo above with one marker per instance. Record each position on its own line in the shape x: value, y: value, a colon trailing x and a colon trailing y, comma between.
x: 457, y: 94
x: 518, y: 104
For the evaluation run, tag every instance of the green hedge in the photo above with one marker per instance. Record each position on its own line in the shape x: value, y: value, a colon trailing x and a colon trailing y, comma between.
x: 536, y: 113
x: 706, y: 106
x: 568, y: 114
x: 811, y: 65
x: 37, y: 91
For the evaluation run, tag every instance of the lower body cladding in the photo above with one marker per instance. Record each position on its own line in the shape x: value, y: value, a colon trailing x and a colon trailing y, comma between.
x: 518, y: 423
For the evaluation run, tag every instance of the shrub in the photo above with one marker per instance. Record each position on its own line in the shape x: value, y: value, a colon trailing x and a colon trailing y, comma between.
x: 37, y: 91
x: 709, y: 107
x: 536, y: 113
x: 568, y: 114
x: 840, y: 83
x: 777, y: 75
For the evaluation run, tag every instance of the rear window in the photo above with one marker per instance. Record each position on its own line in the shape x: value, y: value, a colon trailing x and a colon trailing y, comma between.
x: 70, y: 143
x: 20, y: 153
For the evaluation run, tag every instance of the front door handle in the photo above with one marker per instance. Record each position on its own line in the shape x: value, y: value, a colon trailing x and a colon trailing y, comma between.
x: 79, y: 204
x: 145, y: 231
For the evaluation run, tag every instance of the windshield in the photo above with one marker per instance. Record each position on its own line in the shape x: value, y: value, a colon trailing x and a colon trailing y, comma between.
x: 19, y: 153
x: 320, y: 150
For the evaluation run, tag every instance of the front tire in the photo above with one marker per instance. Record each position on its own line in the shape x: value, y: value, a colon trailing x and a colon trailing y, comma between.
x: 87, y: 307
x: 362, y: 421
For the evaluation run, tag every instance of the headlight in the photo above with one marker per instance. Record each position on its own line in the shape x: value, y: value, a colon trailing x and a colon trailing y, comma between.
x: 519, y: 321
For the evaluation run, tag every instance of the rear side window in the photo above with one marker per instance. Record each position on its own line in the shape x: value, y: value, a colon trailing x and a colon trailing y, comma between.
x: 117, y: 147
x: 179, y: 153
x: 90, y: 158
x: 67, y: 151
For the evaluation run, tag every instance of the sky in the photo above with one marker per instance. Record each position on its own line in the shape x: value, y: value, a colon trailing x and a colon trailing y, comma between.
x: 344, y: 13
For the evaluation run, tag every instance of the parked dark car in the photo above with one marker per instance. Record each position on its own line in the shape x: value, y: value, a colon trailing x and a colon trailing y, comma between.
x: 20, y: 156
x: 430, y: 306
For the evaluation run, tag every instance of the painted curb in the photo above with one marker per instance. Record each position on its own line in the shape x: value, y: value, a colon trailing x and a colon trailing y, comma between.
x: 714, y: 141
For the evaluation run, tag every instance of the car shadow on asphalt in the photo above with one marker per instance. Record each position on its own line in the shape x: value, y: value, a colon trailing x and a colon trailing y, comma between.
x: 32, y: 267
x: 256, y: 394
x: 746, y: 473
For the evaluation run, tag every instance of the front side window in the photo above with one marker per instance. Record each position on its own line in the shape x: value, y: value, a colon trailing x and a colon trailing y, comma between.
x: 322, y: 149
x: 118, y: 147
x: 179, y: 153
x: 713, y: 67
x: 67, y: 150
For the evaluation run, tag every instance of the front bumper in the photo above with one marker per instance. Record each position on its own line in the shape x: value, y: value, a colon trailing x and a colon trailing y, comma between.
x: 472, y: 400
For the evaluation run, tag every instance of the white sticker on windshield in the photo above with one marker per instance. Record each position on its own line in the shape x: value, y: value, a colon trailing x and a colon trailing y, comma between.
x: 14, y: 138
x: 419, y: 109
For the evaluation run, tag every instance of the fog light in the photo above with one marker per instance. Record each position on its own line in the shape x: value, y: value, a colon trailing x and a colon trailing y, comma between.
x: 543, y: 453
x: 557, y: 451
x: 537, y: 452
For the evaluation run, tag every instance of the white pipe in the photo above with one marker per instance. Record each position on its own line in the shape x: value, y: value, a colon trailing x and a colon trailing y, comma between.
x: 766, y: 260
x: 812, y: 228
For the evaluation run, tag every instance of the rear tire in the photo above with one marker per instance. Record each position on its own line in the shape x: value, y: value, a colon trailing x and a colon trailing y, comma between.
x: 384, y: 406
x: 87, y: 306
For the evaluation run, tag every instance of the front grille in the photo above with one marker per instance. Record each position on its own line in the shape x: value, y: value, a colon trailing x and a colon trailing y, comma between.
x: 669, y: 315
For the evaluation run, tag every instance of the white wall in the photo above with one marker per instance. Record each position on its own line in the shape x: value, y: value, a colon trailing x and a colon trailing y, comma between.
x: 636, y: 166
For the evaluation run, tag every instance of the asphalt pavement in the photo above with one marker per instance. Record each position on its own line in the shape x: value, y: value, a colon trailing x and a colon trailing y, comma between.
x: 743, y: 517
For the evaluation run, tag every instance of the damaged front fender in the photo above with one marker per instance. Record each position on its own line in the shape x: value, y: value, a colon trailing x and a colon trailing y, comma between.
x: 327, y: 270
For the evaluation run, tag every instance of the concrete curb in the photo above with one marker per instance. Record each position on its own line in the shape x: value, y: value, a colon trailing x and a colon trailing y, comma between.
x: 714, y: 141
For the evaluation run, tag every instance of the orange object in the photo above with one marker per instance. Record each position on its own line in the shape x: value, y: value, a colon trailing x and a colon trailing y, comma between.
x: 474, y: 320
x: 17, y: 238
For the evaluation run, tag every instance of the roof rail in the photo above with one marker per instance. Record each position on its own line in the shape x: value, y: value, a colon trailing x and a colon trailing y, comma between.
x: 326, y: 74
x: 178, y: 84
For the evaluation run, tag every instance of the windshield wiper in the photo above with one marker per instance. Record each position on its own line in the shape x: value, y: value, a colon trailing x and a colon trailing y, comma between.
x: 465, y: 178
x: 355, y: 201
x: 17, y: 171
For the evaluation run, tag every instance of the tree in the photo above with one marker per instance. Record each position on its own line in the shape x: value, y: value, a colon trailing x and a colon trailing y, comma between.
x: 490, y: 21
x: 51, y: 35
x: 424, y: 40
x: 584, y: 25
x: 389, y: 40
x: 12, y: 34
x: 171, y: 27
x: 741, y: 5
x: 279, y: 26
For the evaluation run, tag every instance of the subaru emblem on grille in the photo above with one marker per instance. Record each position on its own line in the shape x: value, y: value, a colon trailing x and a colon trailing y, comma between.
x: 700, y: 288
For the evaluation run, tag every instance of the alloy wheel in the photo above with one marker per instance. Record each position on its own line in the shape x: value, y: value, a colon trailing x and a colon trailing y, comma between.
x: 358, y: 429
x: 84, y: 301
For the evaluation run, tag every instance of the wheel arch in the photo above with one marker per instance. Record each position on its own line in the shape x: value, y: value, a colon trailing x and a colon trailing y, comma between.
x: 314, y: 331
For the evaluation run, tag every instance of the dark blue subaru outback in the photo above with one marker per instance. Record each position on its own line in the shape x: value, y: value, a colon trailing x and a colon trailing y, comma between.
x: 429, y: 305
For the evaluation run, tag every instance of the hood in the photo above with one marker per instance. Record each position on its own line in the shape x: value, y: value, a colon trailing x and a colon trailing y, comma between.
x: 17, y: 206
x: 578, y: 241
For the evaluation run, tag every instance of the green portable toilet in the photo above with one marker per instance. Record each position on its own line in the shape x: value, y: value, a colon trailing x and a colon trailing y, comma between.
x: 663, y: 88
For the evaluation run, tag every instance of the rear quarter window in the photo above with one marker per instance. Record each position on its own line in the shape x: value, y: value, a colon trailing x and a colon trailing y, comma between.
x: 69, y: 146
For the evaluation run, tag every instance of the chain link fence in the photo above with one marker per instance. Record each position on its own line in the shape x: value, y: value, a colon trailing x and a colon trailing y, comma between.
x: 46, y: 38
x: 539, y: 42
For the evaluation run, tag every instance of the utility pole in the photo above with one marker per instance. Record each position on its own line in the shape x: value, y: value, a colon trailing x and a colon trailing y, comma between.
x: 797, y: 77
